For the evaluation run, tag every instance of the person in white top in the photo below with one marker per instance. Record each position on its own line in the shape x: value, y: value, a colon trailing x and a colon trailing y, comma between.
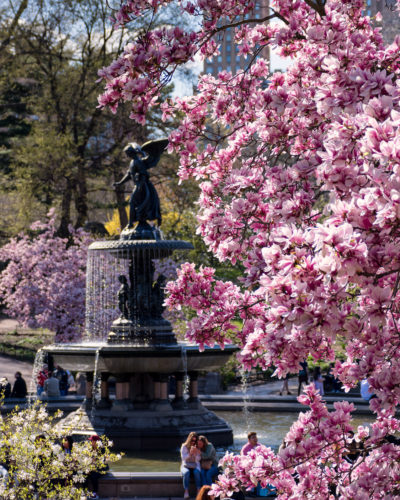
x: 365, y: 390
x: 191, y: 456
x: 317, y: 380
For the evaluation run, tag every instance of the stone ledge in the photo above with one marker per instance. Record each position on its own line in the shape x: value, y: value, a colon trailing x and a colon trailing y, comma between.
x: 142, y: 484
x: 155, y: 485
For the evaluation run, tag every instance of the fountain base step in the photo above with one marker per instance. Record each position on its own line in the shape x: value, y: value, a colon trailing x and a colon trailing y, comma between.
x: 146, y: 429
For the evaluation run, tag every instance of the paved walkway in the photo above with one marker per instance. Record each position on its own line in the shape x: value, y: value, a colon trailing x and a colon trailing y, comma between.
x: 8, y: 367
x: 265, y: 388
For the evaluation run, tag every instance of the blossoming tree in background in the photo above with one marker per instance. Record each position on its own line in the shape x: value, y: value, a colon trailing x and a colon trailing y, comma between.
x: 43, y: 284
x: 299, y: 178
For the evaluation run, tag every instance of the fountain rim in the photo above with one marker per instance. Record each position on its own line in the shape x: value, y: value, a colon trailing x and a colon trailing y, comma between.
x: 162, y: 350
x: 141, y: 244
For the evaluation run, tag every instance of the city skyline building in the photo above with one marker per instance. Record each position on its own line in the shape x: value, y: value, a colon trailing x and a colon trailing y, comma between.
x: 390, y: 17
x: 229, y: 58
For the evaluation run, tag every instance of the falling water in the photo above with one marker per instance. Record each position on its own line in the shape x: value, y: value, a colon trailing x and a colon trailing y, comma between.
x: 96, y: 388
x: 247, y: 417
x: 37, y: 366
x: 185, y: 372
x: 103, y: 269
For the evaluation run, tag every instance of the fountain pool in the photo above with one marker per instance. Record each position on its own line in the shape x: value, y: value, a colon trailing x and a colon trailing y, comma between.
x: 270, y: 427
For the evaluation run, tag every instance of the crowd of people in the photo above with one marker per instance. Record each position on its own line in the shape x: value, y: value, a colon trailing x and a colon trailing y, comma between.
x: 199, y: 460
x: 323, y: 383
x: 55, y: 383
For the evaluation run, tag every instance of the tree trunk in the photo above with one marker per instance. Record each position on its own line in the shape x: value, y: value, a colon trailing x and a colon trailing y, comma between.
x: 121, y: 206
x: 65, y: 210
x: 80, y: 196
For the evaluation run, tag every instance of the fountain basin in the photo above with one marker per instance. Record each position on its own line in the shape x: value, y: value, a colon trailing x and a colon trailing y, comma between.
x: 117, y: 359
x: 142, y: 416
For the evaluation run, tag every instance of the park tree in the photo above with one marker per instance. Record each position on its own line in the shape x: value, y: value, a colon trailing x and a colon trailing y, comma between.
x: 302, y: 190
x: 73, y: 152
x: 43, y: 282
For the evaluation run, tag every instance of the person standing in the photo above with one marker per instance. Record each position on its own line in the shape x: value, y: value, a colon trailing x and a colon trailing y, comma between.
x: 317, y: 380
x: 190, y: 456
x: 303, y: 375
x: 62, y: 376
x: 19, y: 388
x: 208, y: 461
x: 43, y: 375
x: 285, y: 386
x: 92, y: 480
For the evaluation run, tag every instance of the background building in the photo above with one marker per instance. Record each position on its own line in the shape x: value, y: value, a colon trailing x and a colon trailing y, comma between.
x: 390, y: 17
x: 229, y: 59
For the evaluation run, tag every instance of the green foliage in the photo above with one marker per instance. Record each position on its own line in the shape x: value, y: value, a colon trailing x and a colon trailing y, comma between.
x: 182, y: 225
x: 230, y: 372
x: 74, y: 151
x: 38, y: 467
x: 43, y: 166
x: 24, y: 344
x: 14, y: 122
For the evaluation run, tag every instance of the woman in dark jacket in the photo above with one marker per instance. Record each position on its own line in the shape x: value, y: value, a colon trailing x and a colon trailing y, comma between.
x: 208, y: 462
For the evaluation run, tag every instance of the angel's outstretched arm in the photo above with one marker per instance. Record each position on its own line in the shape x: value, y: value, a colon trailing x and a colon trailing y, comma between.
x: 124, y: 179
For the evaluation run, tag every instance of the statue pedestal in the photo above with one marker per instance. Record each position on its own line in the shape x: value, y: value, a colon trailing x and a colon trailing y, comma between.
x: 143, y: 231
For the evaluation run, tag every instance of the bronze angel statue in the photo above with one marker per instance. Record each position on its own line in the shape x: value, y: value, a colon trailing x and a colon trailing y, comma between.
x: 144, y: 203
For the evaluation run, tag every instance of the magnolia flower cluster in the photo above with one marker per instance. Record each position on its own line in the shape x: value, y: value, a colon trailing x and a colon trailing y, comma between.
x: 317, y: 458
x: 299, y: 178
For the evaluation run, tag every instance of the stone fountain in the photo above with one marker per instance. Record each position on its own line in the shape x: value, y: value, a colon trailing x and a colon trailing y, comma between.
x: 139, y: 349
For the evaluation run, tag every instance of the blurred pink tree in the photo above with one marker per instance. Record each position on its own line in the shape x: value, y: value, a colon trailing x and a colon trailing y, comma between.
x: 43, y: 284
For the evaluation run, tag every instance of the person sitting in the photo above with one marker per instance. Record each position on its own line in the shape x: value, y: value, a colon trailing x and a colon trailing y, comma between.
x: 208, y: 461
x: 252, y: 442
x: 190, y: 455
x: 5, y: 387
x: 258, y: 490
x: 365, y: 390
x: 51, y: 387
x: 92, y: 481
x: 67, y: 444
x: 19, y: 388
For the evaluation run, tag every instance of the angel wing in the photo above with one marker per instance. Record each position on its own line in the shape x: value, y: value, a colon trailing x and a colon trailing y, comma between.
x: 154, y: 149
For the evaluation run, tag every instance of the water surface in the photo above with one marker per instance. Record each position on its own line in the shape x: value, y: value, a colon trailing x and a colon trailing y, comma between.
x: 271, y: 428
